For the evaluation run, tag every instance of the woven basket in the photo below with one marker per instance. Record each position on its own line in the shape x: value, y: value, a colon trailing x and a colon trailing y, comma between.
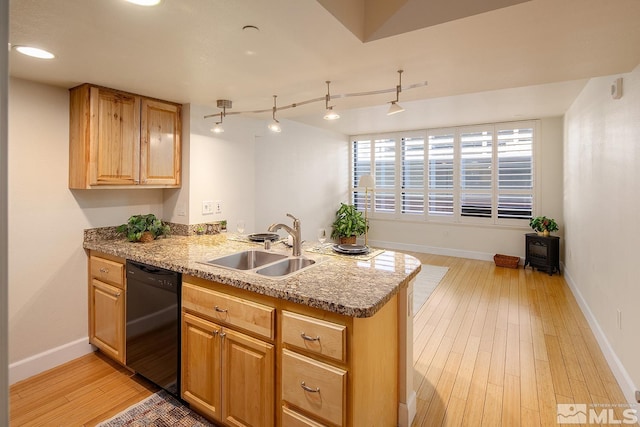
x: 506, y: 261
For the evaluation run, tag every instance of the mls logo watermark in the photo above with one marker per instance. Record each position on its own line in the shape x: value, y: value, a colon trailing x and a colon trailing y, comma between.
x: 580, y: 413
x: 569, y: 413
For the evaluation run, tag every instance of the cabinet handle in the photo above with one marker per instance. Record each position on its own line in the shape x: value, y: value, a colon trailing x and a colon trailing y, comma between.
x: 104, y: 270
x: 215, y: 333
x: 309, y: 389
x: 220, y: 310
x: 308, y: 338
x: 115, y: 294
x: 223, y: 334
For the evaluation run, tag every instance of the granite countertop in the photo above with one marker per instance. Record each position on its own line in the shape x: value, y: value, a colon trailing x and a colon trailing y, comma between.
x: 340, y: 284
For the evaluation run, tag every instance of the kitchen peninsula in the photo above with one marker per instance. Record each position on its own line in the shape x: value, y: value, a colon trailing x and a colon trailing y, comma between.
x: 328, y: 345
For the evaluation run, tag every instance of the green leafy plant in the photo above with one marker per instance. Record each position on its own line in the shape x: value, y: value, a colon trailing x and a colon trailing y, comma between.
x: 542, y: 223
x: 349, y: 222
x: 139, y: 224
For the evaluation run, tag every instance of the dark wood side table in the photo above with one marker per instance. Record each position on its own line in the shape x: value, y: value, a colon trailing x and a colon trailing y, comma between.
x: 543, y: 253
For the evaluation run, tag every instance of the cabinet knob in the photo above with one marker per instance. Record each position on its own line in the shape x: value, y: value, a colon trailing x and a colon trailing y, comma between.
x: 104, y: 270
x: 309, y: 389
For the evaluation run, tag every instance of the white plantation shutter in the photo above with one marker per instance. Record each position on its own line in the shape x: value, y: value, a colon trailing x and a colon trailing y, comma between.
x: 476, y: 179
x: 440, y: 174
x: 385, y: 175
x: 412, y: 151
x: 515, y: 173
x: 361, y: 158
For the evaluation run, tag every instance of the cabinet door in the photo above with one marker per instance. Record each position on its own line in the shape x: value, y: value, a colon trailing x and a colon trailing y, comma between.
x: 106, y: 319
x: 201, y: 365
x: 160, y: 143
x: 247, y: 380
x: 114, y: 129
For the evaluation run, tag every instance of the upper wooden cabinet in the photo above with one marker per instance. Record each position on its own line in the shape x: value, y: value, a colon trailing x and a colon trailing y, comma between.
x: 122, y: 140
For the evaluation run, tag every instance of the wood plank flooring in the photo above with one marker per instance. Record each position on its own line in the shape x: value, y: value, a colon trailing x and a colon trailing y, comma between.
x: 492, y: 347
x: 502, y: 347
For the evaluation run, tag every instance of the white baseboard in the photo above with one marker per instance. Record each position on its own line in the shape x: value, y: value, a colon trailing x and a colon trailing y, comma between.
x: 38, y: 363
x: 483, y: 256
x: 622, y: 376
x: 407, y: 412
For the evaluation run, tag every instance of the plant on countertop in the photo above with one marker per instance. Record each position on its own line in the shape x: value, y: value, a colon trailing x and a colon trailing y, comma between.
x: 542, y: 223
x: 143, y: 228
x: 349, y: 222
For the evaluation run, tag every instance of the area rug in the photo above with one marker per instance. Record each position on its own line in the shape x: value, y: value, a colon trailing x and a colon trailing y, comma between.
x: 425, y: 283
x: 158, y: 410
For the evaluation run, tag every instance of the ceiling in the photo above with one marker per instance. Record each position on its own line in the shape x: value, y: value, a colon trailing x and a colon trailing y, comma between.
x: 522, y: 59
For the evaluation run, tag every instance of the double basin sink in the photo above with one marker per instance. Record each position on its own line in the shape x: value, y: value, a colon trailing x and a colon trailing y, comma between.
x: 263, y: 263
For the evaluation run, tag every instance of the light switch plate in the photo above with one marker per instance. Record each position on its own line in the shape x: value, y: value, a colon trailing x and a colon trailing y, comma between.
x: 207, y: 207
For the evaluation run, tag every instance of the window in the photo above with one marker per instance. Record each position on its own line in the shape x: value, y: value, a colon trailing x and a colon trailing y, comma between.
x: 467, y: 174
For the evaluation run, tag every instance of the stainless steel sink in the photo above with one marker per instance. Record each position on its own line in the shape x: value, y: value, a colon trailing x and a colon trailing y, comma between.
x: 246, y: 260
x: 270, y: 264
x: 285, y: 267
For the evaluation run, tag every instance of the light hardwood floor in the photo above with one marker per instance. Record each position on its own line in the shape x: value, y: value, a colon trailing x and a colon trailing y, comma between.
x: 492, y: 347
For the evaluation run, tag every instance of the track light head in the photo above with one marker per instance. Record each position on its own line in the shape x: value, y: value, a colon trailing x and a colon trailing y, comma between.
x: 274, y: 126
x: 329, y: 113
x: 394, y: 109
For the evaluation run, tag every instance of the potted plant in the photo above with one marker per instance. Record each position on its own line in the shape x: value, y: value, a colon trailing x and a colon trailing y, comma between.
x: 349, y: 224
x: 143, y: 228
x: 543, y: 225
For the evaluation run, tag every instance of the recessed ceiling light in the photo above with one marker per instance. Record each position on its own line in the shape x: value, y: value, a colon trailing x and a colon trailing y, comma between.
x: 145, y: 2
x: 34, y: 52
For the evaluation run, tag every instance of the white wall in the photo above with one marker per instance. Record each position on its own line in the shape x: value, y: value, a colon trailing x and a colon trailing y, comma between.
x: 4, y: 339
x: 479, y: 242
x: 47, y: 265
x: 302, y: 171
x: 222, y: 167
x: 601, y: 205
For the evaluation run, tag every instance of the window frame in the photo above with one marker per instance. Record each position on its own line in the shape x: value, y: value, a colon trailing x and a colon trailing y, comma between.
x: 456, y: 217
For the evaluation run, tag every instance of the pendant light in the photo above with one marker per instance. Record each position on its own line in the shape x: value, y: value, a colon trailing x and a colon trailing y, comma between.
x: 274, y: 126
x: 224, y: 104
x: 395, y: 107
x: 329, y: 113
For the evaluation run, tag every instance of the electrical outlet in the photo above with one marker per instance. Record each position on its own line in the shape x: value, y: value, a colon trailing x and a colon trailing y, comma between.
x: 181, y: 209
x: 218, y: 207
x: 207, y: 207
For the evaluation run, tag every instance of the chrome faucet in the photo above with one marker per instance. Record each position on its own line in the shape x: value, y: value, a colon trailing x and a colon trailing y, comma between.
x: 294, y: 232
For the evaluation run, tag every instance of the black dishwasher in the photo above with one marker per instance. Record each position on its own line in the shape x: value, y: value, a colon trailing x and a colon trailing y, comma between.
x: 153, y: 324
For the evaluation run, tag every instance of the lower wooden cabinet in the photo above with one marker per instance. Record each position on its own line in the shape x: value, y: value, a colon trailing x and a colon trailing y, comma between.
x: 226, y: 375
x: 331, y: 370
x: 107, y: 306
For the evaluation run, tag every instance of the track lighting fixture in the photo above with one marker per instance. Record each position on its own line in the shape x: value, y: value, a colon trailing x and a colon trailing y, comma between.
x: 329, y: 113
x: 274, y: 126
x: 224, y: 104
x: 395, y: 107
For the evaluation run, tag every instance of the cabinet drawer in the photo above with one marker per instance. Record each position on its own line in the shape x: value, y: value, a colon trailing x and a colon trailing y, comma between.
x: 291, y: 418
x: 314, y: 386
x: 107, y: 271
x: 318, y: 336
x: 230, y: 310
